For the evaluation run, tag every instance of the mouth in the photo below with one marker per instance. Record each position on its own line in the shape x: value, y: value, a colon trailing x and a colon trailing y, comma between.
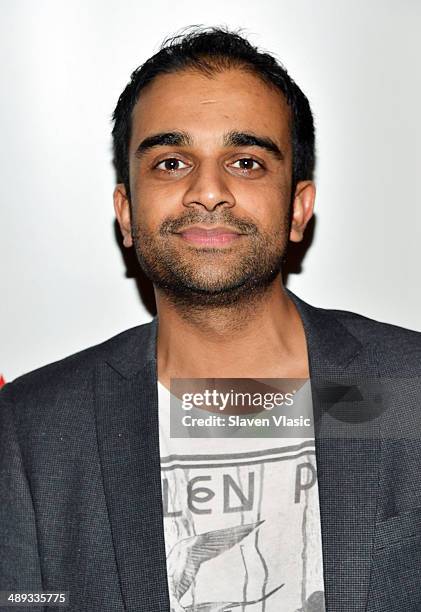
x: 212, y: 237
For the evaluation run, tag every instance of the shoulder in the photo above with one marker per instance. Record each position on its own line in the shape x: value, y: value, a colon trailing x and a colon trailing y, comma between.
x: 367, y: 329
x: 72, y: 376
x: 394, y: 350
x: 398, y: 348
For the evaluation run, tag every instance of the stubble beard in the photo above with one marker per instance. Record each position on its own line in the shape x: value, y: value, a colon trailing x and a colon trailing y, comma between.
x: 194, y: 277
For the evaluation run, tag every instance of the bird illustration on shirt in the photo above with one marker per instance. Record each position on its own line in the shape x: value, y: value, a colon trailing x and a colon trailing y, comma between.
x: 186, y: 557
x: 227, y: 606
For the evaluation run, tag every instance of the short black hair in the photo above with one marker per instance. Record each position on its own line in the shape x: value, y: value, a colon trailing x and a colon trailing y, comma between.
x: 211, y: 50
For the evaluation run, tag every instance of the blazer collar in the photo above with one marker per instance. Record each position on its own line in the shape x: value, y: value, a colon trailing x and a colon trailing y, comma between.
x: 128, y: 438
x: 328, y: 342
x: 137, y: 350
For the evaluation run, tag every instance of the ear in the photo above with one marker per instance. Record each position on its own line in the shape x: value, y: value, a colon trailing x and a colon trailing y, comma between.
x: 122, y: 212
x: 302, y: 209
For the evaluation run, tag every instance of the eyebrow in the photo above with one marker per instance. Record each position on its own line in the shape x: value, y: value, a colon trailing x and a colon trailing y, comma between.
x: 246, y: 139
x: 169, y: 139
x: 231, y: 139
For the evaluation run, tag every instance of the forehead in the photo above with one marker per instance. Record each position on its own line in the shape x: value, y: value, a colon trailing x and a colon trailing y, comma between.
x: 209, y: 106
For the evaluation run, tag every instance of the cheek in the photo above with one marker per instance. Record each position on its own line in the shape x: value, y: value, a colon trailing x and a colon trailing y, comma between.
x: 267, y: 202
x: 155, y: 202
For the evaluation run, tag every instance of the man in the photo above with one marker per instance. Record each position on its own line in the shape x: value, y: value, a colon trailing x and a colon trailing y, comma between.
x: 214, y: 151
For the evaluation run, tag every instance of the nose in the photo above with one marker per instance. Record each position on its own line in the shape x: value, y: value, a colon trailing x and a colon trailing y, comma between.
x: 208, y: 188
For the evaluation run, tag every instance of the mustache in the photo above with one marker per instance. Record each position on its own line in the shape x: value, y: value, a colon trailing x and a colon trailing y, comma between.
x: 171, y: 225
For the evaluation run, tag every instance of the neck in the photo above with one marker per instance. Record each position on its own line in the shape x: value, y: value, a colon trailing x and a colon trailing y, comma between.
x: 260, y: 338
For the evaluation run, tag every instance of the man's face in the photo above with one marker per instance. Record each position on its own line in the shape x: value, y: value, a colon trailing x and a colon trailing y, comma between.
x: 210, y: 180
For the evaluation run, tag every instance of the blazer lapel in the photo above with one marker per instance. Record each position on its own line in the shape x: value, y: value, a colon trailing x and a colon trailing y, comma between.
x: 128, y: 438
x: 347, y: 453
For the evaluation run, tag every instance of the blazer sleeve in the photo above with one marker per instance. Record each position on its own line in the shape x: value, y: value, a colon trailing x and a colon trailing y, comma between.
x: 19, y: 559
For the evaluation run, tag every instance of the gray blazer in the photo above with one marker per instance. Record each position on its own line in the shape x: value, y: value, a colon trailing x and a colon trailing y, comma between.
x: 80, y: 489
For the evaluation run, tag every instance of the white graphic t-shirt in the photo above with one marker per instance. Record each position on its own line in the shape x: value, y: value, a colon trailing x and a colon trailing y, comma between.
x: 241, y: 521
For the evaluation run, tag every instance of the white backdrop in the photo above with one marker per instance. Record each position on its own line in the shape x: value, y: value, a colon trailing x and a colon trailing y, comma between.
x: 64, y: 64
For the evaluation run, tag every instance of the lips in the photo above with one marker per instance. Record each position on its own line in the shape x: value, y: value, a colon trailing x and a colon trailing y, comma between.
x: 218, y: 236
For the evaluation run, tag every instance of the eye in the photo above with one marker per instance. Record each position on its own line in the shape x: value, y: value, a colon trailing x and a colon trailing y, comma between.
x: 171, y: 164
x: 245, y: 164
